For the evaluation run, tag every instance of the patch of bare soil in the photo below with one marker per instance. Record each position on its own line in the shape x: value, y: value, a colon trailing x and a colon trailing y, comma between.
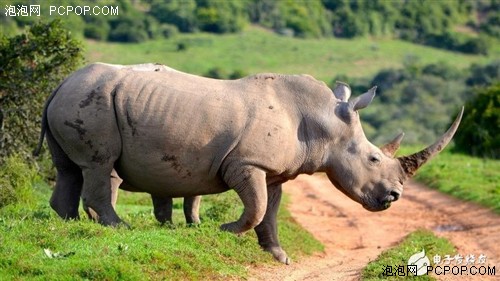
x: 353, y: 236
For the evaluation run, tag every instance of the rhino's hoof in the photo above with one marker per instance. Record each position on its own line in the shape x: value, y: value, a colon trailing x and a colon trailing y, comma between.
x: 279, y: 255
x: 124, y: 225
x: 230, y: 227
x: 285, y: 260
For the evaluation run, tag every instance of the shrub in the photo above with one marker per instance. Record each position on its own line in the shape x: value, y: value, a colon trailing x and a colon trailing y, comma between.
x: 216, y: 72
x: 443, y: 70
x: 479, y: 132
x: 477, y: 46
x: 16, y: 180
x: 168, y: 30
x: 237, y: 74
x: 179, y: 13
x: 128, y: 29
x: 457, y: 42
x: 484, y: 75
x: 491, y: 25
x: 96, y: 28
x: 31, y: 66
x: 221, y: 16
x: 94, y: 31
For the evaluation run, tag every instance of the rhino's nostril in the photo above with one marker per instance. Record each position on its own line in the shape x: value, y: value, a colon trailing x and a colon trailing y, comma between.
x: 395, y: 195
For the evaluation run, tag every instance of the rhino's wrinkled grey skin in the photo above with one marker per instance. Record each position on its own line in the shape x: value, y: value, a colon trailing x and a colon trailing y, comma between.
x: 174, y: 134
x: 162, y: 205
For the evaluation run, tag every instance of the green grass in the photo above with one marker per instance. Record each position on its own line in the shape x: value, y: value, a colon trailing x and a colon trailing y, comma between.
x: 399, y: 255
x: 466, y: 177
x: 257, y: 50
x: 83, y: 250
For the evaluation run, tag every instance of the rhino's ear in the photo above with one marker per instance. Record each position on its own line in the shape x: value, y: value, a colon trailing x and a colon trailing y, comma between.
x: 364, y: 100
x: 342, y: 91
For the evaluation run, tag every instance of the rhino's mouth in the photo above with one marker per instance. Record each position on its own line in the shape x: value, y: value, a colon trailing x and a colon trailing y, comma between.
x: 377, y: 205
x: 378, y: 208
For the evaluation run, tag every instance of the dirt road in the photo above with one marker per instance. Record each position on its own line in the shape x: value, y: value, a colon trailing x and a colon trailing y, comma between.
x: 353, y: 236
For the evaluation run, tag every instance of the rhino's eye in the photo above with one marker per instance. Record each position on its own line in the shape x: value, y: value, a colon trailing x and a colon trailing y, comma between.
x: 374, y: 158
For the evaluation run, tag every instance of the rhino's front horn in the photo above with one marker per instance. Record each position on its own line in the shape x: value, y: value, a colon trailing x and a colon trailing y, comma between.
x: 411, y: 163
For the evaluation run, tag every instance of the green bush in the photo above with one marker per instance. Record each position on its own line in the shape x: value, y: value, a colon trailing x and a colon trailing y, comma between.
x: 216, y: 72
x: 457, y: 42
x: 168, y: 30
x: 16, y: 181
x: 221, y: 16
x: 220, y: 73
x: 128, y: 29
x: 97, y: 28
x: 31, y: 66
x: 306, y: 19
x: 491, y: 25
x: 484, y: 75
x: 479, y: 132
x: 179, y: 13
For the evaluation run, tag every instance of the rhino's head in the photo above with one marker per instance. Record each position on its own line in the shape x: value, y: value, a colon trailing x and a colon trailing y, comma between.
x: 370, y: 175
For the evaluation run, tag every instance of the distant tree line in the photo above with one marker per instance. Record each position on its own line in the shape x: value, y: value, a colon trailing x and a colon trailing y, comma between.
x: 427, y: 22
x: 422, y: 99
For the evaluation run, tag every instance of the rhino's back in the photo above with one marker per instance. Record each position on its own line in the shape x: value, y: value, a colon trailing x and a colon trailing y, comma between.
x: 175, y: 130
x: 181, y: 127
x: 176, y: 127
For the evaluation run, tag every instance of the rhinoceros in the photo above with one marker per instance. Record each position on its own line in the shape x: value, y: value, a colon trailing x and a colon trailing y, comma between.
x: 174, y: 134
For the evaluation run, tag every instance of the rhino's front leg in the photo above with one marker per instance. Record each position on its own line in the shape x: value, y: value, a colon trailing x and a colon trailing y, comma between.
x: 267, y: 230
x: 250, y: 184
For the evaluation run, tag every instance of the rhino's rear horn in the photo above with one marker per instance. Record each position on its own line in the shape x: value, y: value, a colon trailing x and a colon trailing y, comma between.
x: 390, y: 149
x: 411, y: 163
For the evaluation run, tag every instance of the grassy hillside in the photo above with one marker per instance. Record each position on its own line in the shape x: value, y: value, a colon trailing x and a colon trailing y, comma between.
x: 258, y: 50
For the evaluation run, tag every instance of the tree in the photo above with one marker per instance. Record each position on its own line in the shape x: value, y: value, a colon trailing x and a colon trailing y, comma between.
x: 180, y: 13
x: 484, y: 75
x: 479, y: 132
x: 128, y: 28
x: 221, y: 16
x: 31, y: 66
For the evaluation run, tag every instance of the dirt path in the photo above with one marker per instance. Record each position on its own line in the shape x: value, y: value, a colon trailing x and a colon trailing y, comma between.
x: 353, y: 236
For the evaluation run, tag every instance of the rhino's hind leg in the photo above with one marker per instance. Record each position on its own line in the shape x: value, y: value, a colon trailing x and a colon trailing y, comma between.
x: 115, y: 184
x: 97, y: 194
x: 250, y: 184
x: 162, y: 208
x: 65, y: 198
x: 192, y: 209
x: 267, y: 230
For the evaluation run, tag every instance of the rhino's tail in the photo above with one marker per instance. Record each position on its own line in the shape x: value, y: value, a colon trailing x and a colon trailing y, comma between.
x: 45, y: 124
